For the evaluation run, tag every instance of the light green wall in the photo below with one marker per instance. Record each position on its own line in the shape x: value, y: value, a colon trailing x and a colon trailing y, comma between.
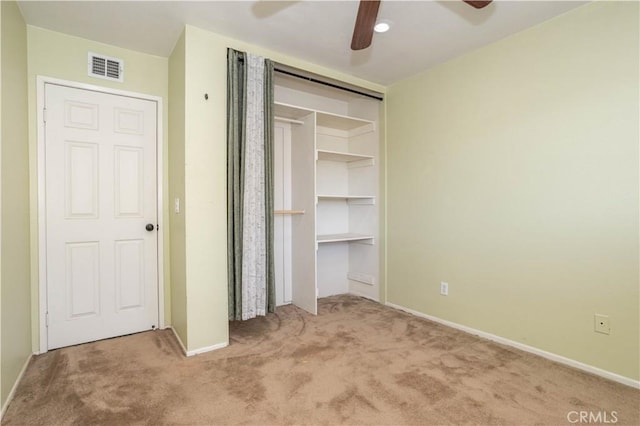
x: 57, y: 55
x: 382, y: 197
x: 513, y: 176
x: 15, y: 277
x: 1, y: 401
x: 1, y: 26
x: 176, y: 189
x: 205, y: 190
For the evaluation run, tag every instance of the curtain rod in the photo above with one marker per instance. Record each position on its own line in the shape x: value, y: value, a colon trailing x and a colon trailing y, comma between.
x: 326, y: 83
x: 315, y: 80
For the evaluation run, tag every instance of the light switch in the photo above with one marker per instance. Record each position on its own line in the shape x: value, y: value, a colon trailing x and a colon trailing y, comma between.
x: 176, y: 205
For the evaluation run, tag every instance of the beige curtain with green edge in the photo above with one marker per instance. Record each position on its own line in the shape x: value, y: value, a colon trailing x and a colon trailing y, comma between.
x: 269, y: 185
x: 250, y: 185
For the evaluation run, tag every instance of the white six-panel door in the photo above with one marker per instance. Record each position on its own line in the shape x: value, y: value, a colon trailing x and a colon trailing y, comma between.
x: 101, y: 193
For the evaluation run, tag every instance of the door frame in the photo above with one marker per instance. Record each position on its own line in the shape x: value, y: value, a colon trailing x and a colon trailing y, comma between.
x: 41, y: 81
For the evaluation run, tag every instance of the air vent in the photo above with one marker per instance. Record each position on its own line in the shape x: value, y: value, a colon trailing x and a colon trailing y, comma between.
x: 106, y: 67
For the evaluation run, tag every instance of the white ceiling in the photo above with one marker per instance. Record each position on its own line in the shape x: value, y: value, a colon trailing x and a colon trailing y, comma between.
x: 423, y: 33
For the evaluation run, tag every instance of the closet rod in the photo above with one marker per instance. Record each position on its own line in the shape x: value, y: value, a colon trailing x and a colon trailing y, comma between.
x: 326, y: 83
x: 288, y: 120
x: 288, y: 212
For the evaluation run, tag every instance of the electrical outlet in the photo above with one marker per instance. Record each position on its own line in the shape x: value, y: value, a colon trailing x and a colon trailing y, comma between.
x: 602, y: 324
x: 444, y: 288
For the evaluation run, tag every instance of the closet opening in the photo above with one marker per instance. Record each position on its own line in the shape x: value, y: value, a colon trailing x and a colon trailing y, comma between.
x: 327, y: 197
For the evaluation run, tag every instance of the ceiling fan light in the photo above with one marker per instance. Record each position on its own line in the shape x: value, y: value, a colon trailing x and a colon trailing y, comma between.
x: 382, y: 27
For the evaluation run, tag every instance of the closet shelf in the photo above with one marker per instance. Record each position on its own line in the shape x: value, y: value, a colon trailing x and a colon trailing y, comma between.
x: 342, y: 156
x: 341, y: 122
x: 347, y: 237
x: 290, y: 112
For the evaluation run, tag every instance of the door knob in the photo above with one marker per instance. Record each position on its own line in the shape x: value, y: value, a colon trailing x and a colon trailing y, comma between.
x: 149, y: 227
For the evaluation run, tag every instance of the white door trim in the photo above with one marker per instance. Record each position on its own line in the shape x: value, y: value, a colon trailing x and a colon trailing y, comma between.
x: 42, y: 228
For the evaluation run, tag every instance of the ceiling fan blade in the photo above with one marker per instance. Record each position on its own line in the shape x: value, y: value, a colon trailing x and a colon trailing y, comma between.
x: 365, y: 21
x: 478, y: 4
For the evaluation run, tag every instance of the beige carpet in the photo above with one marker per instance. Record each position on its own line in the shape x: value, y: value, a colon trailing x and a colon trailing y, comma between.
x: 356, y: 363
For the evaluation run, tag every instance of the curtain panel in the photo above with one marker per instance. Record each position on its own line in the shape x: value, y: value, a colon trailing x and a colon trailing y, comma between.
x: 250, y: 185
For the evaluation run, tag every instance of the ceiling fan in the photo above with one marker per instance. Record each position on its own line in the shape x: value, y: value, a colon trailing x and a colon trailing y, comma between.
x: 366, y: 19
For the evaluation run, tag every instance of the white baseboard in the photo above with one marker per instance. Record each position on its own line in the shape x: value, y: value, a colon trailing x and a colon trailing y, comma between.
x: 199, y: 350
x: 366, y: 296
x: 15, y: 386
x: 548, y: 355
x: 207, y: 349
